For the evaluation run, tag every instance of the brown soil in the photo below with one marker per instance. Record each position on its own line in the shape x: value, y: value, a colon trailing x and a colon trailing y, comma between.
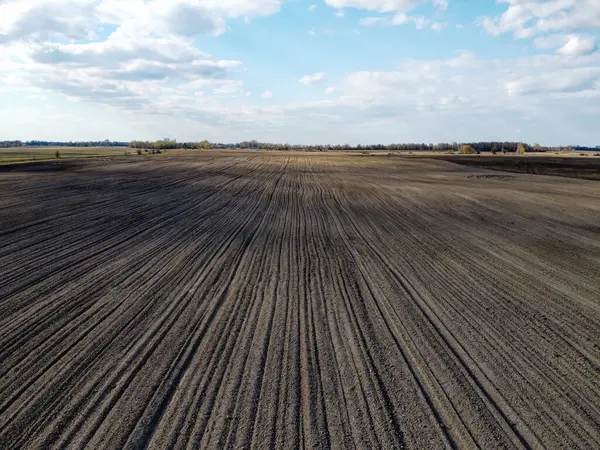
x: 283, y: 301
x: 574, y: 167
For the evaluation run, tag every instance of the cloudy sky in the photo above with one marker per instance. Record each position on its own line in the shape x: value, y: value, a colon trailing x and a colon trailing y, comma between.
x: 301, y: 71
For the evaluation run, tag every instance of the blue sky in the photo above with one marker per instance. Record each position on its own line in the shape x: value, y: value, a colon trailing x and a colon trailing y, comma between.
x: 326, y: 71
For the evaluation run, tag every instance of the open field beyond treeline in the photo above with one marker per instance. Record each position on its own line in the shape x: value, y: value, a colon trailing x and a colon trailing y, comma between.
x: 28, y: 154
x: 566, y: 165
x: 229, y: 300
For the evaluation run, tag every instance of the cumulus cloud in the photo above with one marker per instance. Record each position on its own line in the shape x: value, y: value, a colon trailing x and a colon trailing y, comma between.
x: 51, y: 45
x: 397, y: 11
x: 240, y: 8
x: 528, y: 18
x: 228, y: 87
x: 465, y: 96
x: 572, y: 80
x: 577, y: 45
x: 113, y: 51
x: 182, y: 18
x: 568, y: 44
x: 399, y: 19
x: 385, y: 6
x: 150, y: 67
x: 470, y: 86
x: 310, y: 79
x: 41, y: 20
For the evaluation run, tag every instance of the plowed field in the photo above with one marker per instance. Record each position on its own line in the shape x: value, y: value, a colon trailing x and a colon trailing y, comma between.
x: 286, y: 301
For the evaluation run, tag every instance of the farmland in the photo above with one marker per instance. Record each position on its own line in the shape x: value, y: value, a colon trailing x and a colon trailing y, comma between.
x: 234, y: 300
x: 29, y: 154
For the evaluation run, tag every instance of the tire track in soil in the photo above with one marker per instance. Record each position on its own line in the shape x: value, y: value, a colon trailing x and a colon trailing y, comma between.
x: 285, y: 300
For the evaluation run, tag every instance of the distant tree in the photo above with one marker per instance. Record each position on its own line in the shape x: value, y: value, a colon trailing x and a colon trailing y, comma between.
x: 467, y: 150
x: 494, y: 150
x: 9, y: 144
x: 104, y: 143
x: 521, y: 149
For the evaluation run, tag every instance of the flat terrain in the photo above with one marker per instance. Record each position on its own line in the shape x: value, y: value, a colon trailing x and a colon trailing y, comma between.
x: 25, y: 154
x: 230, y: 300
x: 567, y: 165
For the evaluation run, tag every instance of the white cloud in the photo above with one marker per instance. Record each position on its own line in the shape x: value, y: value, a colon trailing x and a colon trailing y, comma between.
x: 439, y: 26
x: 572, y: 80
x: 312, y: 7
x: 310, y: 79
x: 236, y: 8
x: 80, y: 19
x: 228, y: 87
x: 40, y: 20
x: 399, y: 19
x: 339, y: 13
x: 152, y: 45
x: 571, y: 44
x: 179, y: 18
x: 467, y: 98
x: 397, y: 11
x: 149, y: 76
x: 552, y: 41
x: 385, y: 6
x: 470, y: 86
x: 528, y: 18
x: 451, y: 92
x: 577, y: 45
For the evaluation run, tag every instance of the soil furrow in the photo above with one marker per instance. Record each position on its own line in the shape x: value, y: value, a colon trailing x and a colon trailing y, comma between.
x: 270, y: 300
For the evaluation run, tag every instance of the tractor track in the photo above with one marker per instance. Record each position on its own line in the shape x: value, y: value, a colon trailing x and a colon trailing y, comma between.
x: 247, y: 300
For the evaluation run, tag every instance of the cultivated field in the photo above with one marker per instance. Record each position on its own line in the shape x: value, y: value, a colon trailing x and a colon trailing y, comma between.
x: 566, y: 165
x: 269, y: 300
x: 26, y: 154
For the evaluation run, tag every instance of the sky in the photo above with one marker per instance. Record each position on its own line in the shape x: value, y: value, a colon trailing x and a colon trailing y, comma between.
x: 301, y: 71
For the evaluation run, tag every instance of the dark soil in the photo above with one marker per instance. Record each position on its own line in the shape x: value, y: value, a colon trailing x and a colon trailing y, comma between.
x: 237, y: 300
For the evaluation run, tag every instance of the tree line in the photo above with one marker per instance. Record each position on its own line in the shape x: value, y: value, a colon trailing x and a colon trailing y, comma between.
x: 10, y: 144
x: 168, y: 144
x: 498, y: 147
x: 36, y: 143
